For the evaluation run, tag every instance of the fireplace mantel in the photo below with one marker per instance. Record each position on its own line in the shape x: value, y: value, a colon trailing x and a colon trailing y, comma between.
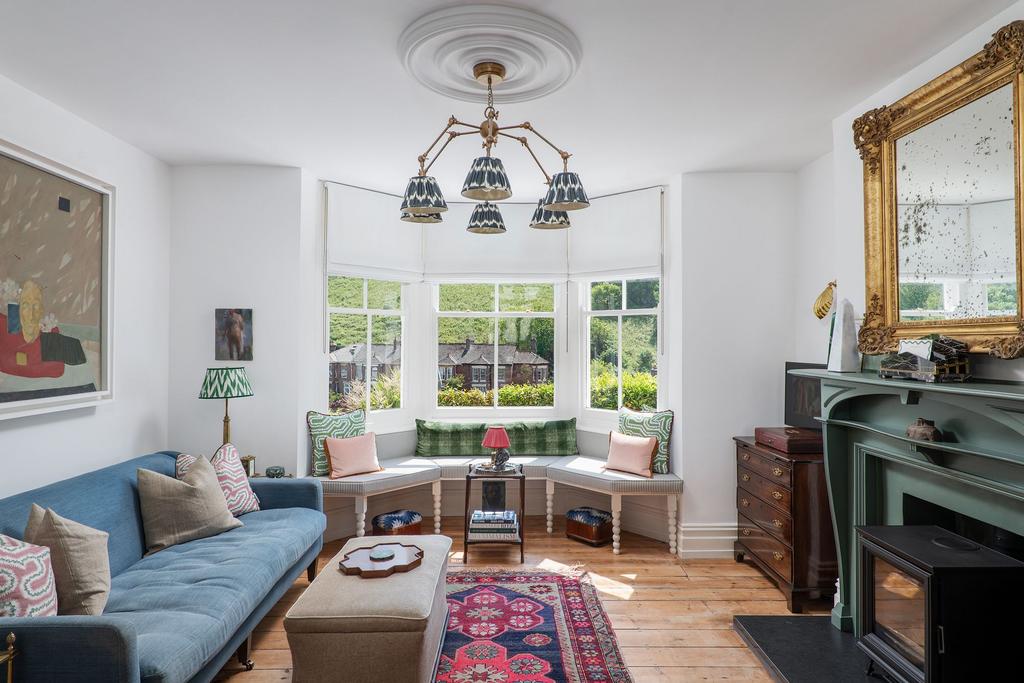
x: 871, y: 464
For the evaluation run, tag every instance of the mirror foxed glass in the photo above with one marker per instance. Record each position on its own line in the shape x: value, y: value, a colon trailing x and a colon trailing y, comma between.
x: 955, y: 216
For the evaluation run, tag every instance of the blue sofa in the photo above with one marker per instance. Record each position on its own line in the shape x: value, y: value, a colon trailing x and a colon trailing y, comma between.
x: 180, y: 614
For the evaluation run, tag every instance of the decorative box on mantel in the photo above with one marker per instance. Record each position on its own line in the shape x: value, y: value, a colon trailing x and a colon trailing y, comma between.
x: 879, y: 476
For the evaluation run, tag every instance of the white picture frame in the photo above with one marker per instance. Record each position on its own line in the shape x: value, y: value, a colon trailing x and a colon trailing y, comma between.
x: 104, y: 393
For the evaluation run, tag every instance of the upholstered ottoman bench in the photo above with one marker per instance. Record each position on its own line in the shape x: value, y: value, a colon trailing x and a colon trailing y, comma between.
x: 355, y: 629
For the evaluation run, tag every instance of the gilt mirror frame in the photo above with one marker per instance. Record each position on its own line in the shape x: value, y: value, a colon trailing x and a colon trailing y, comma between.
x: 875, y: 134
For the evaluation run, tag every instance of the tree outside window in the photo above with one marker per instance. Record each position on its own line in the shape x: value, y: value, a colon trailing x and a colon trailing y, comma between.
x: 623, y: 342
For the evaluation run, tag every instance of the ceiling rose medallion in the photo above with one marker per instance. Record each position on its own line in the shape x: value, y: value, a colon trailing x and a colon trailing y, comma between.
x: 543, y: 55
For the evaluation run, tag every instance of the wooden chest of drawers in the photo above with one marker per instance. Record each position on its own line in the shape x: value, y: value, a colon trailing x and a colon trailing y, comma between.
x: 784, y: 523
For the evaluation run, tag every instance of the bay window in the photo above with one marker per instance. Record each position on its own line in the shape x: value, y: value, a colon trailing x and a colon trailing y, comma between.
x: 621, y: 322
x: 366, y: 322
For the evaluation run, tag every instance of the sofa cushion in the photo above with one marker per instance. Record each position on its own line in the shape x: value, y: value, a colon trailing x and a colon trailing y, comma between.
x: 545, y: 437
x: 26, y: 580
x: 658, y: 425
x: 450, y: 438
x: 322, y: 425
x: 185, y: 602
x: 396, y: 473
x: 78, y: 554
x: 591, y: 473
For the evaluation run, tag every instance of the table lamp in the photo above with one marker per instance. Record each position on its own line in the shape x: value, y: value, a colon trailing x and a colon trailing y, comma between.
x: 496, y: 439
x: 225, y: 383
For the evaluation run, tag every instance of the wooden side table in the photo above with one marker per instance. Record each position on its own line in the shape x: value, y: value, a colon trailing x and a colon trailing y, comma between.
x: 515, y: 475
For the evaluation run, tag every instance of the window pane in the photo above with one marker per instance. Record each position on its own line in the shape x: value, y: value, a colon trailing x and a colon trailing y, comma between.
x: 386, y: 363
x: 642, y: 293
x: 344, y: 292
x: 606, y: 296
x: 1002, y: 298
x: 604, y: 361
x: 466, y: 297
x: 533, y: 298
x: 384, y: 294
x: 640, y: 362
x: 526, y: 353
x: 465, y: 361
x: 347, y: 362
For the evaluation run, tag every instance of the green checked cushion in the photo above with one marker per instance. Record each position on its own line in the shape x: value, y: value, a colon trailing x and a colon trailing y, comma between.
x: 550, y: 437
x: 658, y: 425
x: 323, y: 426
x: 450, y: 438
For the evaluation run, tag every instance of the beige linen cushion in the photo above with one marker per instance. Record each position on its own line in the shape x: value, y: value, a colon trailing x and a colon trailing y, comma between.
x: 354, y: 455
x: 633, y: 454
x: 175, y: 511
x: 78, y: 553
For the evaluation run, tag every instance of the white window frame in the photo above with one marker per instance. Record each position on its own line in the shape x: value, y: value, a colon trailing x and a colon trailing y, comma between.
x: 557, y: 316
x: 400, y: 313
x: 587, y: 312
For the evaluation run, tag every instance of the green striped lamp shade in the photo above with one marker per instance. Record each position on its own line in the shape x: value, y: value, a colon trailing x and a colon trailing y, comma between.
x: 225, y: 383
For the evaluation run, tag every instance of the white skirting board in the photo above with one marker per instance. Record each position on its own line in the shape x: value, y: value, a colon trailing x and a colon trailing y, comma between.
x: 706, y: 541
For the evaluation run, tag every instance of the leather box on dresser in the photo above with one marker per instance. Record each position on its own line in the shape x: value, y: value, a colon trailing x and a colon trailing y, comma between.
x: 784, y: 524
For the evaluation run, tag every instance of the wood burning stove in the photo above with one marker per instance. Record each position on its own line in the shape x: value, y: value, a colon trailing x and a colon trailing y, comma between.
x: 936, y: 606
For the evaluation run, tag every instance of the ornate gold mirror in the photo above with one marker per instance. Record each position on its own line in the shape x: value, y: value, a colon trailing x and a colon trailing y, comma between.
x: 942, y: 206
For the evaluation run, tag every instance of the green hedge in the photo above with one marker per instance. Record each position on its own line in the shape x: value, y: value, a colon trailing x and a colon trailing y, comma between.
x: 639, y: 390
x: 508, y: 395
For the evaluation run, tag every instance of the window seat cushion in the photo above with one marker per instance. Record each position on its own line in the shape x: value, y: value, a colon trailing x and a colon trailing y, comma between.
x: 396, y: 473
x: 590, y: 473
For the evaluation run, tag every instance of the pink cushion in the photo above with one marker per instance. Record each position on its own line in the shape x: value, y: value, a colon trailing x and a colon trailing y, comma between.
x: 230, y: 474
x: 26, y: 580
x: 354, y: 455
x: 633, y: 454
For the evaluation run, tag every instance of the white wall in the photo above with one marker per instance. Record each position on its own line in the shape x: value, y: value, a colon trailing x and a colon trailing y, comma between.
x: 848, y: 253
x: 737, y: 312
x: 812, y: 258
x: 237, y: 232
x: 38, y: 450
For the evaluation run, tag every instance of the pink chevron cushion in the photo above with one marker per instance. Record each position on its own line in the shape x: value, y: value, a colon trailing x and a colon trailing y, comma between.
x: 231, y: 475
x: 26, y: 580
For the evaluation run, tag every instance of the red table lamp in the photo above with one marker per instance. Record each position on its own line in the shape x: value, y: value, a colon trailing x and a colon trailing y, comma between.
x: 496, y: 439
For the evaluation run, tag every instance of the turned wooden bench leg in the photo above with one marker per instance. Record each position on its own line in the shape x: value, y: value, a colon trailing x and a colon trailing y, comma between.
x: 616, y: 521
x: 435, y: 488
x: 549, y: 491
x: 360, y: 516
x: 673, y: 503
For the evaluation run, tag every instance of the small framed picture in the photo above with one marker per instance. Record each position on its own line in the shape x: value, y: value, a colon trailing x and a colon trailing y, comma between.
x: 493, y: 495
x: 233, y: 334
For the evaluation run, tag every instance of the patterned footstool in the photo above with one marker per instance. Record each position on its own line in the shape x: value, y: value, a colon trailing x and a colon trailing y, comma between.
x: 589, y: 525
x: 397, y: 522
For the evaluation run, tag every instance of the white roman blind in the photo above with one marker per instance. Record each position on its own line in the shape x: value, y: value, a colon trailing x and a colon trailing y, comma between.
x: 450, y: 252
x: 620, y: 233
x: 365, y: 235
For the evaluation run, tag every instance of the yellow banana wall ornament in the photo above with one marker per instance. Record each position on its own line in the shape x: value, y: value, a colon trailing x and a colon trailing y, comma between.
x: 823, y: 304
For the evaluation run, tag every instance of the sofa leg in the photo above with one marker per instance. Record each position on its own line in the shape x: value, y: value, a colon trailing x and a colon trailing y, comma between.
x: 311, y: 571
x: 243, y: 653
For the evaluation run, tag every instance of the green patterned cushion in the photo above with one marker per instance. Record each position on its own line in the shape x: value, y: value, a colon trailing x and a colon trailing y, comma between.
x: 322, y: 426
x: 450, y: 438
x: 548, y: 437
x: 658, y: 425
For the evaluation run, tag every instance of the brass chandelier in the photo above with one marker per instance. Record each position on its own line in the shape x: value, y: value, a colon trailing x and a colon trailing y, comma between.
x: 486, y: 180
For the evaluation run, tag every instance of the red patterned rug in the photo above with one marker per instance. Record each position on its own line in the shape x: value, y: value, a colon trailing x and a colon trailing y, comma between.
x: 527, y: 627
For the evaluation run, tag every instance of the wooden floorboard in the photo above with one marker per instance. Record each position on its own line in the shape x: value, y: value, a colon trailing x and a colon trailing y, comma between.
x: 672, y: 618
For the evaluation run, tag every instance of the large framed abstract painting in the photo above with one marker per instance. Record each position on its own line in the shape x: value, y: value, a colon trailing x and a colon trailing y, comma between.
x: 55, y: 265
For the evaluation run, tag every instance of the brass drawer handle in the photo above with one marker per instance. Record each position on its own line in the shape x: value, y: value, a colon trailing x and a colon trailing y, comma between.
x: 746, y: 532
x: 744, y: 502
x: 777, y: 523
x: 745, y: 477
x: 776, y: 495
x: 746, y: 456
x: 777, y: 555
x: 777, y: 471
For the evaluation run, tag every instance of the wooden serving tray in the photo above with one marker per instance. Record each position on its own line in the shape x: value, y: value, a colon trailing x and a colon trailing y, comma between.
x: 358, y: 562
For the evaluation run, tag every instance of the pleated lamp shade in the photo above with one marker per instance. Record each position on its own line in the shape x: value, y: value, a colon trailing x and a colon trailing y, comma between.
x: 423, y: 195
x: 548, y: 220
x: 225, y: 383
x: 486, y: 180
x: 566, y: 193
x: 486, y: 220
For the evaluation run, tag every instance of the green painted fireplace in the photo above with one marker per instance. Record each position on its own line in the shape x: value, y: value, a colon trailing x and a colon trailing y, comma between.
x: 872, y: 467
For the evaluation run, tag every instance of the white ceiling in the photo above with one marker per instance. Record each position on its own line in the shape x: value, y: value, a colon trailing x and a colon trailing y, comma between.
x: 664, y: 86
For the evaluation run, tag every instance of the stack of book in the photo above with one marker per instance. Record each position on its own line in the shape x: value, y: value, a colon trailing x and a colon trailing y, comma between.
x: 493, y: 525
